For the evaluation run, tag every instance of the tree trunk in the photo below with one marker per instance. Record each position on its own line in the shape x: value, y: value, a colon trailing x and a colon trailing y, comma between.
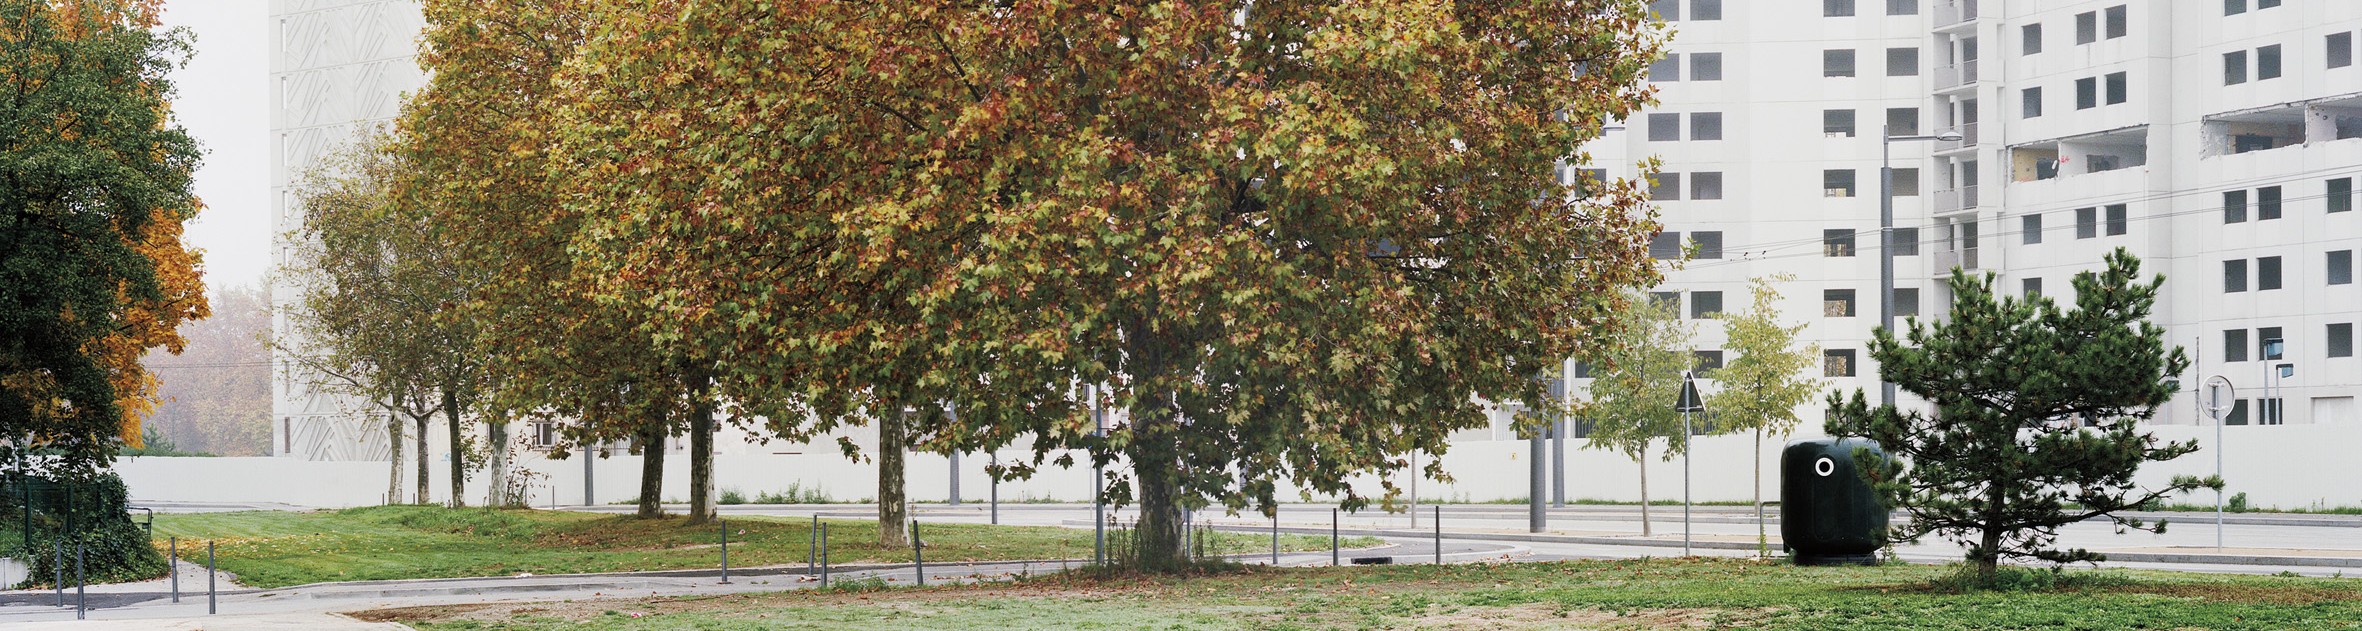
x: 496, y: 482
x: 652, y: 467
x: 893, y: 503
x: 1762, y: 534
x: 1157, y: 538
x: 425, y: 485
x: 393, y: 441
x: 701, y: 448
x: 1646, y: 527
x: 458, y: 452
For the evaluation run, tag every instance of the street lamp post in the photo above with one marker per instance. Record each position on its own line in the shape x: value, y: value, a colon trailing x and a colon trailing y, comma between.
x: 2219, y: 392
x: 1886, y: 239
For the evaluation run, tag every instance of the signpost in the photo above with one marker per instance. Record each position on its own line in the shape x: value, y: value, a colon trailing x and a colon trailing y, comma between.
x: 2219, y: 398
x: 1687, y: 403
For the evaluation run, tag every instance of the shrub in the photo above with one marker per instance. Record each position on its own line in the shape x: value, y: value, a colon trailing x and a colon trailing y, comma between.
x: 114, y: 549
x: 732, y: 496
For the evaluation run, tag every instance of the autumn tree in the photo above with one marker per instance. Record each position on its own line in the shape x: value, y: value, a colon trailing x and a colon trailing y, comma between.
x: 216, y: 396
x: 2037, y: 414
x: 94, y: 189
x: 1761, y: 387
x: 1637, y: 361
x: 378, y: 314
x: 1292, y: 239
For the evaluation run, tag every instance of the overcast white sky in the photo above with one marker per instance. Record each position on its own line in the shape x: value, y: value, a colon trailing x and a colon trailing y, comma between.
x: 224, y: 102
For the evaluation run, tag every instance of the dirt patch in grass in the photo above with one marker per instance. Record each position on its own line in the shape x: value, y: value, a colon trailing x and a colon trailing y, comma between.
x: 738, y: 603
x: 2246, y: 594
x: 1557, y: 616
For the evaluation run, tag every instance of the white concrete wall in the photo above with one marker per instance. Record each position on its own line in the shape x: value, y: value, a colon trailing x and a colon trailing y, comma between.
x: 2287, y: 466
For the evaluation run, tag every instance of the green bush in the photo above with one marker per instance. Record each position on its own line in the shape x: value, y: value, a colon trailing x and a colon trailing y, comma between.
x: 733, y: 497
x: 2237, y: 503
x: 114, y: 549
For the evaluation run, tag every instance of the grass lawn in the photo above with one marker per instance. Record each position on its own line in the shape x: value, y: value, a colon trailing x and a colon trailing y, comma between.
x: 277, y: 549
x: 1711, y: 593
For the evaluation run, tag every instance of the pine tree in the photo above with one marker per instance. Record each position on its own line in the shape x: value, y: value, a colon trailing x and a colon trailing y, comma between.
x: 2035, y: 407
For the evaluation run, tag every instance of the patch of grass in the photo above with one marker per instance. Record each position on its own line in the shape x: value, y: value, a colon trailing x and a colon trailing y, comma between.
x: 277, y: 549
x: 1647, y: 593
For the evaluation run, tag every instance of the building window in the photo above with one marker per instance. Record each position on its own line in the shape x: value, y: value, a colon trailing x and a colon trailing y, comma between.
x: 2340, y: 339
x: 2266, y: 4
x: 1837, y: 183
x: 1837, y: 8
x: 1708, y: 361
x: 2235, y: 345
x: 2238, y: 413
x: 2031, y: 104
x: 2267, y: 273
x: 1705, y: 10
x: 2341, y: 49
x: 1705, y: 126
x: 1837, y: 303
x: 2264, y: 337
x: 1664, y: 127
x: 1837, y: 63
x: 1705, y: 304
x: 1707, y: 243
x: 1666, y: 301
x: 1906, y: 301
x: 1839, y: 242
x: 2116, y: 88
x: 1587, y: 180
x: 1902, y: 62
x: 2087, y: 93
x: 1582, y: 370
x: 2087, y: 223
x: 1705, y: 66
x: 1902, y: 121
x: 2267, y: 203
x: 2030, y: 229
x: 1666, y: 70
x: 1665, y: 246
x: 2235, y: 67
x: 2340, y: 194
x: 1902, y: 7
x: 2234, y: 276
x: 2030, y: 39
x: 1665, y: 187
x: 1907, y: 182
x: 2267, y: 62
x: 1906, y: 241
x: 1837, y: 123
x: 2234, y: 7
x: 2234, y: 206
x: 2115, y: 20
x: 1705, y: 185
x: 1837, y: 362
x: 2030, y: 288
x: 2087, y: 27
x: 2117, y: 222
x: 1667, y: 10
x: 2341, y: 267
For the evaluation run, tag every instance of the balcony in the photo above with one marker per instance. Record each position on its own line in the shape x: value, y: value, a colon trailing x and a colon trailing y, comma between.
x: 1956, y: 200
x: 1951, y: 76
x: 1951, y: 12
x: 1963, y: 258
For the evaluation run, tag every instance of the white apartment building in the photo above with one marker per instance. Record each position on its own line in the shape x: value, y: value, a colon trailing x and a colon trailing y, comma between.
x: 2218, y: 139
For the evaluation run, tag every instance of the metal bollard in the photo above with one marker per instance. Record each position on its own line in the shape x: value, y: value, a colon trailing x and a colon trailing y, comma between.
x: 81, y: 584
x: 1275, y: 536
x: 918, y: 553
x: 211, y: 604
x: 725, y: 549
x: 1438, y: 535
x: 812, y: 549
x: 59, y: 568
x: 824, y: 556
x: 1334, y: 557
x: 174, y: 564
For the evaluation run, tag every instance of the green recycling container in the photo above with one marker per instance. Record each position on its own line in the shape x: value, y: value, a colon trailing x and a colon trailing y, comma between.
x: 1828, y: 514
